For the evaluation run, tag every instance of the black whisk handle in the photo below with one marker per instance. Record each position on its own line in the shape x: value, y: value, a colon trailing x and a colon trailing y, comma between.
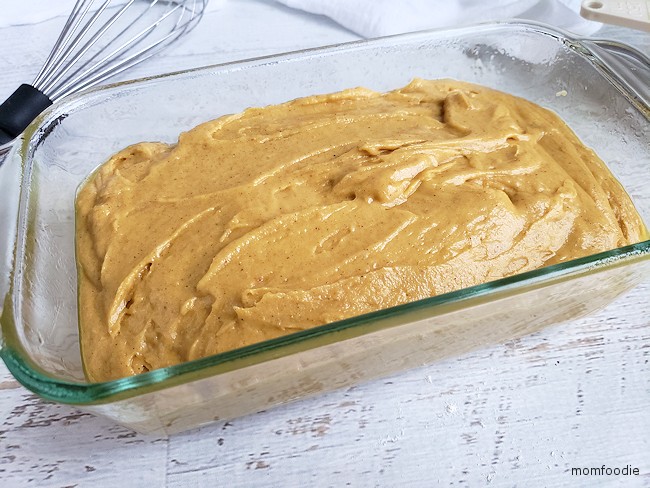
x: 18, y: 111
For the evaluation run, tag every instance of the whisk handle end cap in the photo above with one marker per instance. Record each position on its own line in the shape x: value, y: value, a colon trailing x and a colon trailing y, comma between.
x: 19, y: 110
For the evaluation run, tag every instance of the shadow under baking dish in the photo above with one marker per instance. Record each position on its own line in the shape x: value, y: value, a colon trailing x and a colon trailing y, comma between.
x: 40, y: 344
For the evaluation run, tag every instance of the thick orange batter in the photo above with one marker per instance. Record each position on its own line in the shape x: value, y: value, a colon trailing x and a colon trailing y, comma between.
x: 286, y: 217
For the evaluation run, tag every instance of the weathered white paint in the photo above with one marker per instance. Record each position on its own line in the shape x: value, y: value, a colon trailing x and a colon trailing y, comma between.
x: 518, y: 414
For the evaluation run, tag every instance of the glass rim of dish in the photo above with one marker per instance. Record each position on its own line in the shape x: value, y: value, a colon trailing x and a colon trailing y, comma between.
x: 80, y: 393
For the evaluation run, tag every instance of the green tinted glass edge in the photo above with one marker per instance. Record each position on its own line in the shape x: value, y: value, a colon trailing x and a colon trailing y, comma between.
x: 33, y: 378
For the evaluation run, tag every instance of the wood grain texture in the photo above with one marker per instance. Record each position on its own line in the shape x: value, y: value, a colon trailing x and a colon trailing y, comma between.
x: 518, y: 414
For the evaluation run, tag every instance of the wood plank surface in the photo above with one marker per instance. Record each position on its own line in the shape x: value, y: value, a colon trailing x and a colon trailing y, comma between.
x: 517, y: 414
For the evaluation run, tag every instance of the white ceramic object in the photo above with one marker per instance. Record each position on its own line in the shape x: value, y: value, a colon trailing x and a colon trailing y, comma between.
x: 628, y: 13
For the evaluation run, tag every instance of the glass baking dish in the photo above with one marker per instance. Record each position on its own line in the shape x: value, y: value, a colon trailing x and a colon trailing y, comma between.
x: 605, y: 105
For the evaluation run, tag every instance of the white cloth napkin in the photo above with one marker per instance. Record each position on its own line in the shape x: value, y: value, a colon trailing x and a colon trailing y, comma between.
x: 373, y: 18
x: 20, y: 12
x: 369, y: 18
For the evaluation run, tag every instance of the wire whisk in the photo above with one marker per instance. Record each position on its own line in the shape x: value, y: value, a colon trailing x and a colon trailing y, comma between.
x: 99, y: 40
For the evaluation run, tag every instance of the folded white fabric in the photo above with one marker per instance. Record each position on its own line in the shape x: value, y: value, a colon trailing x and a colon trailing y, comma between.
x: 374, y: 18
x: 370, y: 18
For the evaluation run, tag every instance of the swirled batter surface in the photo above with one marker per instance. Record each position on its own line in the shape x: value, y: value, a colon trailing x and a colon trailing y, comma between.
x: 286, y: 217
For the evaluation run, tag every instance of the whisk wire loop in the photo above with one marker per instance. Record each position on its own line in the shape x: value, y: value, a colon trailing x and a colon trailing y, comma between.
x: 67, y: 36
x: 83, y: 68
x: 79, y: 60
x: 59, y: 68
x: 123, y: 57
x: 60, y: 42
x: 95, y: 44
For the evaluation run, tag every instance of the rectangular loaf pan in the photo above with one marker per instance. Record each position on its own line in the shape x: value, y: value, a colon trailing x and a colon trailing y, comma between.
x: 598, y: 88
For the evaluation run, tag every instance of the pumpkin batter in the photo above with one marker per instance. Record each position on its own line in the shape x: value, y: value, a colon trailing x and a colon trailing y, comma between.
x: 286, y: 217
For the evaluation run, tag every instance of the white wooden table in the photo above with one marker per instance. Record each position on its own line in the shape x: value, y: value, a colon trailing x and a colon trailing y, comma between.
x: 519, y: 414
